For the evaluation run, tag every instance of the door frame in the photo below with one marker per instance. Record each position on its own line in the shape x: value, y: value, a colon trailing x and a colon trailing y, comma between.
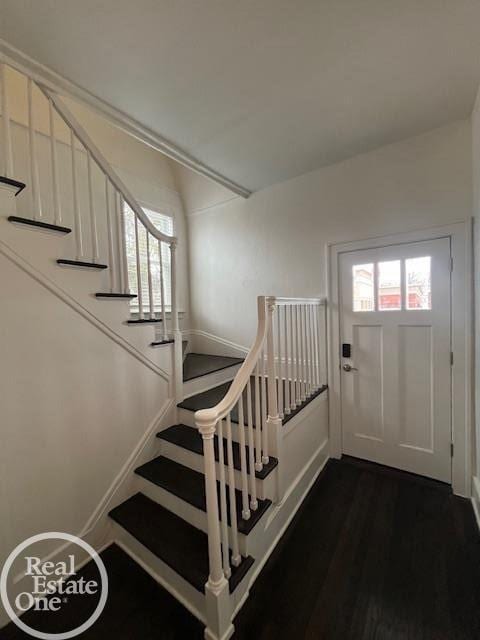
x: 460, y: 235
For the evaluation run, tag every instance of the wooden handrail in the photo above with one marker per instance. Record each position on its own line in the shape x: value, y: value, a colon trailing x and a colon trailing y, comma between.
x: 72, y: 122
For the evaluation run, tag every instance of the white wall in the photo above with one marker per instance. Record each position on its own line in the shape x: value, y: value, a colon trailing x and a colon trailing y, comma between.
x: 476, y: 258
x: 274, y: 242
x: 74, y: 405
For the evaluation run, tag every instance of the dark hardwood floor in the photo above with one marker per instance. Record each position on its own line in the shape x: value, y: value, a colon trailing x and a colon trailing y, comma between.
x: 373, y: 554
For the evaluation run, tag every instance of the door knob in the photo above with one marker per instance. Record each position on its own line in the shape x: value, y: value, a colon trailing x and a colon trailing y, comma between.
x: 348, y: 367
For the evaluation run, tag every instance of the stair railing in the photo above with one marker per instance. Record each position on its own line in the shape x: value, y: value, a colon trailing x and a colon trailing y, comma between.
x: 285, y: 367
x: 147, y: 272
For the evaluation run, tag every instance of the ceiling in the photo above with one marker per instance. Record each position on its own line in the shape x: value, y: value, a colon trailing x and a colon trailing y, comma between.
x: 263, y: 90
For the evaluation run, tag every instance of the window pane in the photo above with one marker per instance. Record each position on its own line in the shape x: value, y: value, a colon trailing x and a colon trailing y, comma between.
x: 389, y: 285
x: 363, y: 288
x: 419, y: 286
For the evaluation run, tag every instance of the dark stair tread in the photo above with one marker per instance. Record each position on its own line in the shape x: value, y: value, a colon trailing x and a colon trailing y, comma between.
x: 159, y: 343
x: 212, y: 397
x: 38, y: 224
x: 19, y: 186
x: 201, y: 364
x: 82, y: 263
x: 189, y: 438
x: 116, y: 296
x: 189, y: 485
x: 144, y: 320
x: 177, y: 543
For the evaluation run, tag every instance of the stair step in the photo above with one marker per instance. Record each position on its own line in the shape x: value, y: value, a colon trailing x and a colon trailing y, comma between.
x: 116, y: 296
x: 160, y: 343
x: 212, y: 397
x: 189, y: 485
x: 82, y: 263
x: 201, y: 364
x: 19, y: 186
x: 189, y: 438
x: 178, y: 544
x: 38, y: 224
x: 144, y: 321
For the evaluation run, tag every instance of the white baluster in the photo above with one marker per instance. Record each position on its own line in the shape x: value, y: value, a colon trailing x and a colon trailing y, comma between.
x: 279, y: 356
x: 258, y: 422
x: 236, y: 557
x: 149, y: 277
x: 251, y: 450
x: 54, y: 159
x: 91, y: 206
x: 223, y: 503
x: 36, y: 200
x: 111, y: 250
x: 263, y: 381
x: 77, y: 221
x: 139, y: 270
x: 317, y: 346
x: 243, y: 460
x: 303, y: 314
x: 123, y: 239
x: 120, y: 236
x: 293, y: 359
x: 298, y: 383
x: 177, y: 334
x: 162, y: 292
x: 6, y: 131
x: 314, y: 353
x: 214, y: 544
x: 308, y: 357
x: 287, y: 359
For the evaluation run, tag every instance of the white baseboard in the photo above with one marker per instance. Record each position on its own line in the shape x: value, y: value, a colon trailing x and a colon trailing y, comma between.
x: 476, y: 498
x: 216, y: 344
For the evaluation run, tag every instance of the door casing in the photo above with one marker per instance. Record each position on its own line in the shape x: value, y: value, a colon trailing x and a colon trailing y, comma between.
x: 460, y: 235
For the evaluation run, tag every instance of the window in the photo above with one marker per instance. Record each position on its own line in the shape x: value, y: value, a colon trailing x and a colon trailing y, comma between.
x: 389, y: 285
x: 163, y: 223
x: 378, y: 286
x: 419, y: 286
x: 363, y: 287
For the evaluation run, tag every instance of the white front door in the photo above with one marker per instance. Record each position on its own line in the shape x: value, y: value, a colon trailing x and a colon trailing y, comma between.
x: 396, y: 356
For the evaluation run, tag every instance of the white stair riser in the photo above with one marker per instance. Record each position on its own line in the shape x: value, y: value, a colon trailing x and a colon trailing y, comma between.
x: 189, y: 513
x: 161, y: 572
x: 265, y: 488
x: 209, y: 381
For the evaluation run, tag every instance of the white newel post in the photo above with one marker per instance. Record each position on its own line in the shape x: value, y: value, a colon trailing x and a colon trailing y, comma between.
x: 217, y: 593
x: 274, y: 421
x: 177, y: 334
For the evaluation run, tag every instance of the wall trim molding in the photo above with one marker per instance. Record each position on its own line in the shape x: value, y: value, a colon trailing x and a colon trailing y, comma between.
x: 59, y: 84
x: 65, y: 297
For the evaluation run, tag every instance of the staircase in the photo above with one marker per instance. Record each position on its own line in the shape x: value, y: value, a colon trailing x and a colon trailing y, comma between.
x: 203, y: 514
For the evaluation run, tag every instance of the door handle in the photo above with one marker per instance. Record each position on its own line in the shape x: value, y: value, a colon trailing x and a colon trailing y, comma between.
x: 348, y: 367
